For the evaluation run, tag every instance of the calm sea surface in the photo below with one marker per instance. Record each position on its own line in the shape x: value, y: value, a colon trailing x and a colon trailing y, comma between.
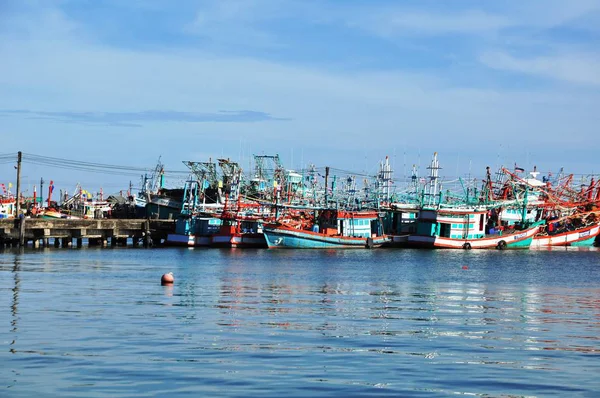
x: 273, y: 323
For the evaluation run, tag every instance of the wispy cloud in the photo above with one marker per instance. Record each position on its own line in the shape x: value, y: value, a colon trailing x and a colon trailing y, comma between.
x: 397, y: 21
x: 134, y: 119
x: 235, y: 22
x: 450, y: 18
x: 574, y: 68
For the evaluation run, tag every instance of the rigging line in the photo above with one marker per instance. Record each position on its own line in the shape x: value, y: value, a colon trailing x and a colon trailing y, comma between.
x: 123, y: 173
x: 181, y: 172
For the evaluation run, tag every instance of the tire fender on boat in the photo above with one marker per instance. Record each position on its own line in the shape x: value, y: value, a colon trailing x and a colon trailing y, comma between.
x: 467, y: 246
x: 501, y: 245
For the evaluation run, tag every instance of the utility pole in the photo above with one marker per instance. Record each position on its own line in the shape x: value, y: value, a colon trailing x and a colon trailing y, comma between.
x: 18, y: 207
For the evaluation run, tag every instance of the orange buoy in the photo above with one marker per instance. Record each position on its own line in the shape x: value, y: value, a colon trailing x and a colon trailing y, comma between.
x: 465, y: 267
x: 167, y: 279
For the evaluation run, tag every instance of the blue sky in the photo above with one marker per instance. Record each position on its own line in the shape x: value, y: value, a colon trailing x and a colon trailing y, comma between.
x: 340, y: 83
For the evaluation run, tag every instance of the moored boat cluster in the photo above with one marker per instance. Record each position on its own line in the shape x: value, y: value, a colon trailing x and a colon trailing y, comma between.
x: 288, y: 210
x: 220, y: 206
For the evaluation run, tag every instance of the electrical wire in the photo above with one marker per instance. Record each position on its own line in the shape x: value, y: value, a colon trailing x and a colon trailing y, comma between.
x: 132, y: 171
x: 102, y: 168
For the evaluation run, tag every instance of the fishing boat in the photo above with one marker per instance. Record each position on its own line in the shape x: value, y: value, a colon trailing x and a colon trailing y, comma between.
x: 240, y: 233
x: 580, y: 237
x: 197, y: 222
x: 194, y: 231
x: 477, y: 220
x: 576, y: 230
x: 82, y: 205
x: 7, y: 207
x: 242, y: 227
x: 469, y: 229
x: 163, y: 207
x: 330, y: 229
x: 154, y: 200
x: 54, y: 214
x: 567, y: 224
x: 400, y: 222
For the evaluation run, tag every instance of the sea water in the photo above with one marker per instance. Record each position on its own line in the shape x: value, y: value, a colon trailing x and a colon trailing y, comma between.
x: 298, y: 323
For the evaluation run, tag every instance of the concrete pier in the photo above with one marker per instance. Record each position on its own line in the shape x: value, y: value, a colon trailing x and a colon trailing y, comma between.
x: 39, y: 231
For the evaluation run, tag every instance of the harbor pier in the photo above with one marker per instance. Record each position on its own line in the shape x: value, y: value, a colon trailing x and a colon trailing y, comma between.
x: 40, y: 232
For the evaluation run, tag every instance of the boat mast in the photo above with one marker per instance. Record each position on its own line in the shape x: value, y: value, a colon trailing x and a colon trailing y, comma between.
x: 326, y: 184
x: 384, y: 181
x: 434, y: 168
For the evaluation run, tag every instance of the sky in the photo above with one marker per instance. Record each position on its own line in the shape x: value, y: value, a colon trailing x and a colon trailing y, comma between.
x: 332, y: 83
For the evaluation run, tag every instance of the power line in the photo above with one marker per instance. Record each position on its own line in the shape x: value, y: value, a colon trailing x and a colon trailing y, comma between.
x: 133, y: 171
x: 92, y: 167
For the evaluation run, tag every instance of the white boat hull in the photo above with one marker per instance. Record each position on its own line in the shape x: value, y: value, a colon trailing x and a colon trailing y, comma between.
x: 521, y: 239
x: 579, y: 237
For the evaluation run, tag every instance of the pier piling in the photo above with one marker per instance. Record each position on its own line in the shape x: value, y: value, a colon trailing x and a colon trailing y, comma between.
x: 22, y: 232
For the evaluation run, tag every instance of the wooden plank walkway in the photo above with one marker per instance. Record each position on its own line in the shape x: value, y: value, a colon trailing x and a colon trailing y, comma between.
x: 62, y: 232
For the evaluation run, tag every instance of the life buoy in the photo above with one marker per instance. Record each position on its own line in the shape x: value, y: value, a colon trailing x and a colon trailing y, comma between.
x: 501, y: 245
x: 467, y: 246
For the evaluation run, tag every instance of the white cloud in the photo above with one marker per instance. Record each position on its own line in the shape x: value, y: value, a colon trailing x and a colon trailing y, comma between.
x: 392, y: 22
x: 36, y: 20
x: 553, y: 13
x: 574, y: 68
x: 235, y: 22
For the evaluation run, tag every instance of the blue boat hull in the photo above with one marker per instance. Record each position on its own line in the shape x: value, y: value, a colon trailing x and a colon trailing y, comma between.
x: 301, y: 240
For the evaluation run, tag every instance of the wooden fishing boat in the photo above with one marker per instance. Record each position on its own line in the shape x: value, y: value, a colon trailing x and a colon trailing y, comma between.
x: 196, y: 223
x: 578, y: 229
x: 567, y: 223
x: 579, y: 237
x: 7, y: 207
x: 330, y: 229
x: 54, y: 214
x: 469, y: 229
x: 400, y: 221
x: 239, y: 233
x: 242, y: 227
x: 194, y: 231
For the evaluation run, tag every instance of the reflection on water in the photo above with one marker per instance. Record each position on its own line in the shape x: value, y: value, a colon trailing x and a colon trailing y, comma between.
x: 301, y: 323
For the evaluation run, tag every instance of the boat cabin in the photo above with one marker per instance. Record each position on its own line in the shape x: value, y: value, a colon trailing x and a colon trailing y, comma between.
x: 197, y: 226
x: 400, y: 221
x: 349, y: 223
x: 453, y: 224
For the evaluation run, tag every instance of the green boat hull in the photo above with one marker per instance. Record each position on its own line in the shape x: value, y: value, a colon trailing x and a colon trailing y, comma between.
x: 522, y: 244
